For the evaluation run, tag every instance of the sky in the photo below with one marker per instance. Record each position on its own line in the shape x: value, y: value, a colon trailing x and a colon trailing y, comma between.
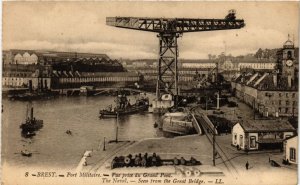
x: 80, y: 27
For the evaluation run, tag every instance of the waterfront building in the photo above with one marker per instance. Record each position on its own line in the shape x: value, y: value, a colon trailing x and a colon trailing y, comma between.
x: 272, y: 93
x: 26, y: 76
x: 69, y: 79
x: 261, y: 134
x: 290, y: 147
x: 44, y: 69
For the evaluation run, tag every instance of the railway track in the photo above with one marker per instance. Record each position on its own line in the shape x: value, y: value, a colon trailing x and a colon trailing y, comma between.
x: 228, y: 164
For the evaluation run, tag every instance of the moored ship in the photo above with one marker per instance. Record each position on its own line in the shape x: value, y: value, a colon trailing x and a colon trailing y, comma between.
x: 31, y: 124
x: 123, y: 107
x: 177, y: 123
x: 28, y: 96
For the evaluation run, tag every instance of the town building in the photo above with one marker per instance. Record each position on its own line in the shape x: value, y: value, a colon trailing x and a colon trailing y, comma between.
x: 272, y: 93
x: 290, y: 146
x: 26, y: 76
x: 261, y: 134
x: 21, y: 69
x: 26, y: 57
x: 229, y: 67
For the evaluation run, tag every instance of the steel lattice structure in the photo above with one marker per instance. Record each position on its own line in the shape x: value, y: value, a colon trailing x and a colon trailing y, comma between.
x: 169, y: 29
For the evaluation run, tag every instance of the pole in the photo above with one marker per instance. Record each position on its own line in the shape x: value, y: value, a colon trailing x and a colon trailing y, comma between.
x: 254, y: 109
x: 104, y: 144
x: 206, y: 103
x: 117, y: 127
x: 218, y: 103
x: 214, y: 149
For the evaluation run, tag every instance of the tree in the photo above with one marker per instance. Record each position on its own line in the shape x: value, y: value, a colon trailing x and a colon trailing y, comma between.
x: 209, y: 56
x: 259, y: 53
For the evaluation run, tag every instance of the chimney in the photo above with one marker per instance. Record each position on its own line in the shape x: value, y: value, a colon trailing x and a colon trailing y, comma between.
x: 275, y: 79
x: 289, y: 81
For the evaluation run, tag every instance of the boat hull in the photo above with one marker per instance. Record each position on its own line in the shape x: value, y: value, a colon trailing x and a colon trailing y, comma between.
x: 177, y: 126
x: 26, y: 154
x: 31, y: 127
x: 122, y: 112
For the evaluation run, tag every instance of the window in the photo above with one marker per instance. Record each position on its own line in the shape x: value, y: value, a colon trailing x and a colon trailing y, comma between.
x: 241, y: 140
x: 252, y: 142
x: 294, y: 102
x: 279, y: 94
x: 292, y: 154
x: 293, y: 95
x: 235, y: 138
x: 289, y: 54
x: 279, y: 109
x: 279, y: 102
x: 287, y: 95
x: 286, y: 110
x: 287, y: 136
x: 287, y: 103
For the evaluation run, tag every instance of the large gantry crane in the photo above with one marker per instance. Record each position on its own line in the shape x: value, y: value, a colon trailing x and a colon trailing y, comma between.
x: 169, y: 29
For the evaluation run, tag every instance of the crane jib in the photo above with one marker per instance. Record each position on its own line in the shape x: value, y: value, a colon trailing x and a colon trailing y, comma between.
x: 176, y: 25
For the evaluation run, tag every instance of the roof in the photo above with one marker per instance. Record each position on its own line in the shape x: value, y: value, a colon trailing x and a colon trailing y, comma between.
x: 288, y: 43
x: 291, y: 137
x: 69, y: 74
x: 265, y: 81
x: 58, y: 53
x: 266, y: 126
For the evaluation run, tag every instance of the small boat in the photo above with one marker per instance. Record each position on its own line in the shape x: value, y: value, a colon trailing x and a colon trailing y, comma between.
x: 69, y: 132
x: 26, y: 153
x: 124, y: 107
x: 87, y: 90
x: 31, y: 124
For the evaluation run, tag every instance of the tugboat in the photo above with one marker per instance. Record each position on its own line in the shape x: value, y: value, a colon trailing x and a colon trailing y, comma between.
x: 124, y: 107
x: 31, y: 124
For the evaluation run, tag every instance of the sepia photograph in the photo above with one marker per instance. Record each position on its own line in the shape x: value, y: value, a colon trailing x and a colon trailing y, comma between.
x: 150, y: 92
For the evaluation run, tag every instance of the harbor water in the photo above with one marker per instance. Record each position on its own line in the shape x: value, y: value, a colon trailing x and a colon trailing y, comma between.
x: 51, y: 146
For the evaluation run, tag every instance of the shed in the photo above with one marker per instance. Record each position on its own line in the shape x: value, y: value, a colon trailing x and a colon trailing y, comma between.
x: 290, y: 146
x: 261, y: 134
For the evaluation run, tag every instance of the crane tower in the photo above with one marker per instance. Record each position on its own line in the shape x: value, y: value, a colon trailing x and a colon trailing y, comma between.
x: 169, y: 29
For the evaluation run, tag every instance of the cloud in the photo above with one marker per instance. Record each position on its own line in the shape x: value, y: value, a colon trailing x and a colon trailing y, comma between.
x: 81, y: 27
x: 114, y: 50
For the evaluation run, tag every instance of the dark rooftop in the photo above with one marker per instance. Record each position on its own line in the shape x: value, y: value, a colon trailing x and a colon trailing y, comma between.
x: 267, y: 126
